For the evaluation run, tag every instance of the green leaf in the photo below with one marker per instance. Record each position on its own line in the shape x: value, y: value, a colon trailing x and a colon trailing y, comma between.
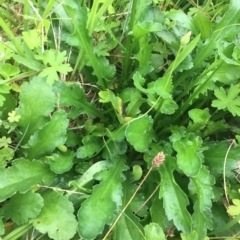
x: 163, y: 86
x: 174, y: 199
x: 61, y: 162
x: 6, y: 154
x: 202, y: 186
x: 185, y: 20
x: 7, y: 70
x: 4, y: 142
x: 56, y: 218
x: 158, y: 215
x: 22, y: 207
x: 21, y: 176
x: 191, y: 236
x: 186, y: 64
x: 168, y: 106
x: 136, y: 101
x: 234, y: 210
x: 228, y: 99
x: 189, y: 154
x: 36, y: 102
x: 91, y: 146
x: 230, y: 18
x: 89, y: 174
x: 98, y: 210
x: 78, y: 17
x: 32, y: 38
x: 128, y: 226
x: 154, y: 232
x: 204, y: 24
x: 28, y: 62
x: 138, y: 81
x: 201, y: 116
x: 139, y: 133
x: 183, y: 55
x: 55, y: 59
x: 202, y: 220
x: 3, y: 89
x: 2, y: 230
x: 226, y: 73
x: 145, y: 27
x: 52, y: 135
x: 226, y: 51
x: 215, y: 155
x: 74, y: 95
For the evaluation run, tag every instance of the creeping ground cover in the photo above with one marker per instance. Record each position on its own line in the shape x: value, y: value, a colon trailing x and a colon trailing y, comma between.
x: 120, y: 119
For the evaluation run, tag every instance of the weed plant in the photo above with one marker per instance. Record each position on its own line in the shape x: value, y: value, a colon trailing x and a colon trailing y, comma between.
x: 119, y: 119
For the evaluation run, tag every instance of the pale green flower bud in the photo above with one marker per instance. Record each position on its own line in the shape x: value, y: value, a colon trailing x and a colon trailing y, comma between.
x: 186, y: 39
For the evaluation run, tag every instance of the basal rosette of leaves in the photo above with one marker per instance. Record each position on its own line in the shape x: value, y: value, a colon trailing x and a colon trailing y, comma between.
x: 92, y: 92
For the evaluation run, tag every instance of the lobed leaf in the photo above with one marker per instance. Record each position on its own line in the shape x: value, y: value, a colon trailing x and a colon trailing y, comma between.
x: 91, y: 146
x: 168, y: 106
x: 202, y: 186
x: 189, y: 156
x: 154, y: 232
x: 139, y: 133
x: 36, y: 102
x: 22, y: 175
x: 191, y: 236
x: 52, y: 135
x: 163, y: 87
x: 22, y: 207
x: 73, y: 95
x: 234, y: 210
x: 100, y: 208
x: 202, y: 220
x: 89, y: 174
x: 32, y: 38
x: 228, y: 99
x: 61, y: 162
x: 138, y: 81
x: 174, y: 199
x: 56, y: 218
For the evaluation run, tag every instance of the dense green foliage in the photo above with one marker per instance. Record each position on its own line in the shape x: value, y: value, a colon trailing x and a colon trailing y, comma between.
x: 119, y: 119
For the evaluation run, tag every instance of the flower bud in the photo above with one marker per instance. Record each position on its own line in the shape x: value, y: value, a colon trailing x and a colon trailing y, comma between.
x: 186, y: 39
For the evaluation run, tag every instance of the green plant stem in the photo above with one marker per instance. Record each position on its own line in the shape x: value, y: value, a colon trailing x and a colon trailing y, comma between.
x: 26, y: 11
x: 78, y: 61
x: 18, y: 232
x: 130, y: 200
x: 19, y: 77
